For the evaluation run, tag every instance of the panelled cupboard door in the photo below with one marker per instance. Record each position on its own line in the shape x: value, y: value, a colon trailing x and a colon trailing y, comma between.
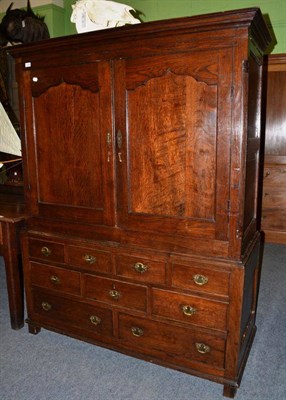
x: 73, y: 146
x: 173, y: 121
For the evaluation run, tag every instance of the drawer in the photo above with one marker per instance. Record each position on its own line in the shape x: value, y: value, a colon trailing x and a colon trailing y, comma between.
x: 90, y: 259
x: 115, y: 292
x: 203, y: 280
x: 55, y: 278
x: 274, y: 197
x: 141, y: 269
x: 73, y: 313
x: 171, y: 342
x: 274, y: 219
x: 46, y: 250
x: 275, y: 176
x: 190, y: 309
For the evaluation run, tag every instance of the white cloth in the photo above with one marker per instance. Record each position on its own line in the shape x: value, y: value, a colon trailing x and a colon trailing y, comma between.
x: 92, y: 15
x: 9, y: 140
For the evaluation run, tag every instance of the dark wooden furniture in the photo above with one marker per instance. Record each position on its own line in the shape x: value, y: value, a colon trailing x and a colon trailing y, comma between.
x: 141, y: 153
x: 12, y: 219
x: 274, y: 183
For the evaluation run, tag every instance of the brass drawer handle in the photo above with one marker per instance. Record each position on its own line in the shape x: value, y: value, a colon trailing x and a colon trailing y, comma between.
x: 203, y: 348
x: 46, y: 306
x: 95, y: 320
x: 200, y: 279
x: 55, y: 280
x: 136, y: 331
x: 114, y: 294
x: 140, y: 267
x: 89, y: 259
x: 46, y: 251
x: 189, y: 310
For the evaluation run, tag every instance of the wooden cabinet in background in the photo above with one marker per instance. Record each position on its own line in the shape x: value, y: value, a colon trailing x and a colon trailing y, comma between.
x: 274, y: 181
x: 141, y: 153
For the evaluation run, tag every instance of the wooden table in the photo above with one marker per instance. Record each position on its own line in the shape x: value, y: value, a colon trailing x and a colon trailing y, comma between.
x: 12, y: 220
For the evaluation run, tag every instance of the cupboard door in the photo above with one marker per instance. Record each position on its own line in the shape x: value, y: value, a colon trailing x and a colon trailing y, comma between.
x: 71, y: 121
x: 173, y: 121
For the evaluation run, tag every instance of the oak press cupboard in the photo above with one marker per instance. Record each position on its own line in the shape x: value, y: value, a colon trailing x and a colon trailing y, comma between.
x: 141, y: 164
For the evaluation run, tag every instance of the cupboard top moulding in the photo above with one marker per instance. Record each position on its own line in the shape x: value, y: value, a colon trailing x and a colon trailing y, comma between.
x: 147, y: 135
x: 187, y: 31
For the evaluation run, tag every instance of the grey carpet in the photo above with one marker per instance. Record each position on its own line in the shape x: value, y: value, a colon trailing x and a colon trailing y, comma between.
x: 50, y: 366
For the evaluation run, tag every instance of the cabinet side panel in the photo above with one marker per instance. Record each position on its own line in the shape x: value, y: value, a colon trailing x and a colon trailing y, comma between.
x: 251, y: 201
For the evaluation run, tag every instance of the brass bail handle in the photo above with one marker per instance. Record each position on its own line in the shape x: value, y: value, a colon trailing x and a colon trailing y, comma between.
x: 114, y: 294
x: 55, y: 279
x: 200, y: 280
x: 203, y: 348
x: 188, y: 310
x: 95, y: 320
x: 46, y: 251
x: 136, y: 331
x: 140, y: 267
x: 89, y: 259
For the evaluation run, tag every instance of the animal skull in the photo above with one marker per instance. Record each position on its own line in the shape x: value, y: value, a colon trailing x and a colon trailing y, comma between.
x: 92, y: 15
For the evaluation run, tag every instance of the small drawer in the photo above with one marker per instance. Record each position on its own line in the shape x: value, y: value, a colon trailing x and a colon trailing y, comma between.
x: 72, y: 313
x: 203, y: 280
x: 116, y: 293
x: 55, y: 278
x: 172, y: 342
x: 90, y: 259
x: 190, y: 309
x: 274, y: 197
x: 141, y: 269
x: 47, y: 250
x: 274, y: 219
x: 275, y: 176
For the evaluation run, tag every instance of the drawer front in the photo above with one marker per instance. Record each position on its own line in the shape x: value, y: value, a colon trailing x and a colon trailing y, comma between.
x: 274, y: 197
x: 72, y: 313
x: 275, y: 176
x: 90, y: 259
x: 204, y: 280
x: 116, y: 293
x: 189, y: 309
x: 141, y: 269
x: 47, y: 250
x: 274, y: 219
x: 55, y: 278
x: 171, y: 341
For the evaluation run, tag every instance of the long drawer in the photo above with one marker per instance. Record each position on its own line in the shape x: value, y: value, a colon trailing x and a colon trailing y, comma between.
x: 156, y: 338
